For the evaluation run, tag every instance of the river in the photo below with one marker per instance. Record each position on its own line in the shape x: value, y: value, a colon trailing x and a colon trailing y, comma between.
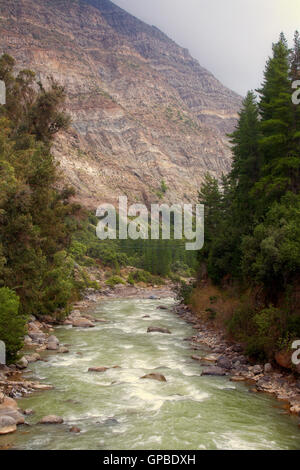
x: 118, y: 410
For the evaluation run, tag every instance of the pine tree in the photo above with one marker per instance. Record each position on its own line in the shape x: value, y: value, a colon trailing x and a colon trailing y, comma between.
x: 247, y: 159
x: 277, y: 123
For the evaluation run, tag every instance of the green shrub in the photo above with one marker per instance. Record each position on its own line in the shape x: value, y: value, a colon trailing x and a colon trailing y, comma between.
x: 12, y: 324
x: 145, y: 277
x: 184, y: 292
x: 114, y: 280
x: 78, y: 250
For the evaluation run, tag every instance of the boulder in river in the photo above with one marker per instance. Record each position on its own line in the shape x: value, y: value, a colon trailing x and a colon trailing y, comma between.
x: 75, y: 430
x: 213, y: 371
x: 14, y: 414
x: 156, y: 329
x: 41, y: 387
x: 98, y: 369
x: 52, y: 346
x: 111, y: 422
x: 51, y: 419
x: 196, y: 358
x: 22, y: 363
x: 8, y: 402
x: 211, y: 358
x: 237, y: 378
x: 37, y: 337
x: 159, y: 377
x: 295, y: 409
x: 7, y: 425
x: 162, y: 307
x: 82, y: 323
x: 33, y: 357
x: 53, y: 340
x: 63, y: 350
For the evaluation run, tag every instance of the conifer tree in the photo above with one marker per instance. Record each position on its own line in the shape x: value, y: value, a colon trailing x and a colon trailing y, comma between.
x: 277, y: 123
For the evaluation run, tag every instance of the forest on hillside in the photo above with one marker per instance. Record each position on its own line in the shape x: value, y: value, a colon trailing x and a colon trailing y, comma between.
x: 252, y: 219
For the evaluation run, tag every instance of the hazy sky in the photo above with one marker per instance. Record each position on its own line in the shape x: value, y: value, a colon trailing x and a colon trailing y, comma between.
x: 231, y: 38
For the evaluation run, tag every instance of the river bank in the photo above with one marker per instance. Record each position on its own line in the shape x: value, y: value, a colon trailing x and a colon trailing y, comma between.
x: 208, y: 349
x: 227, y: 358
x: 105, y: 395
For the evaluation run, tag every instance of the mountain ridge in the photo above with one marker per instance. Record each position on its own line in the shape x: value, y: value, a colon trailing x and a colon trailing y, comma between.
x: 143, y: 110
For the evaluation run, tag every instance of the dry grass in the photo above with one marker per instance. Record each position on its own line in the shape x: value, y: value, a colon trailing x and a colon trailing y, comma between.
x: 209, y: 302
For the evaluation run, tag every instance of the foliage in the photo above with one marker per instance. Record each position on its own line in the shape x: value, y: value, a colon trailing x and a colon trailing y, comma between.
x: 34, y: 233
x: 12, y: 323
x: 145, y: 277
x: 184, y: 291
x: 114, y: 280
x: 252, y: 219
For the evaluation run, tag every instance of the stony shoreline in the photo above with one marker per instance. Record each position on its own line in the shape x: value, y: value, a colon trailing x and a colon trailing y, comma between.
x: 221, y: 357
x: 226, y: 358
x: 40, y: 339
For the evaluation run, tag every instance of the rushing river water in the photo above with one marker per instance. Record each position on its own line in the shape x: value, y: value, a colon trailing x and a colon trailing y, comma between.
x: 118, y: 410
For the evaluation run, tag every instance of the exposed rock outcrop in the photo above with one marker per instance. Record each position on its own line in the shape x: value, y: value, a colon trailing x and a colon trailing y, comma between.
x: 143, y: 109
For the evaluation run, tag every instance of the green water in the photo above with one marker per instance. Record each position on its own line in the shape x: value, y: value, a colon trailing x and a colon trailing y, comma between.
x: 186, y: 412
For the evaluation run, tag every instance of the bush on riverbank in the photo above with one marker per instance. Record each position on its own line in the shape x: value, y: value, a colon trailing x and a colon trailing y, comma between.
x: 12, y: 323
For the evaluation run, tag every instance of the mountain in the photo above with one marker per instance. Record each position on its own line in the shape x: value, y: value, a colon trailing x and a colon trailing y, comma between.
x: 143, y: 110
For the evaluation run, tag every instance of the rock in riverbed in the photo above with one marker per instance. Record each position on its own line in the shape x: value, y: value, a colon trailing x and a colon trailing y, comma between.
x: 82, y: 323
x: 52, y: 343
x: 196, y: 358
x: 268, y: 368
x: 224, y: 362
x: 295, y: 410
x: 75, y: 430
x: 22, y: 363
x: 98, y: 369
x: 211, y: 358
x: 102, y: 369
x: 159, y: 377
x: 8, y: 402
x: 155, y: 329
x: 51, y: 419
x: 257, y: 369
x: 213, y: 371
x: 14, y: 414
x: 33, y: 358
x: 7, y: 425
x: 237, y: 378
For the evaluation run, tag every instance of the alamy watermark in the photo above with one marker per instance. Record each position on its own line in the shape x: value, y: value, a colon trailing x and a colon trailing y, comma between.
x: 136, y: 223
x: 296, y: 354
x: 296, y: 94
x: 2, y: 93
x: 2, y: 353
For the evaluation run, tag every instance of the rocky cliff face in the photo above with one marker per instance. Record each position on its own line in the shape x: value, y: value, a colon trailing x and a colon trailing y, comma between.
x: 143, y: 110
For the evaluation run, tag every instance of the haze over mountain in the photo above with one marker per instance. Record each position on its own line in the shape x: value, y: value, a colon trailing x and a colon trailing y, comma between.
x: 143, y: 110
